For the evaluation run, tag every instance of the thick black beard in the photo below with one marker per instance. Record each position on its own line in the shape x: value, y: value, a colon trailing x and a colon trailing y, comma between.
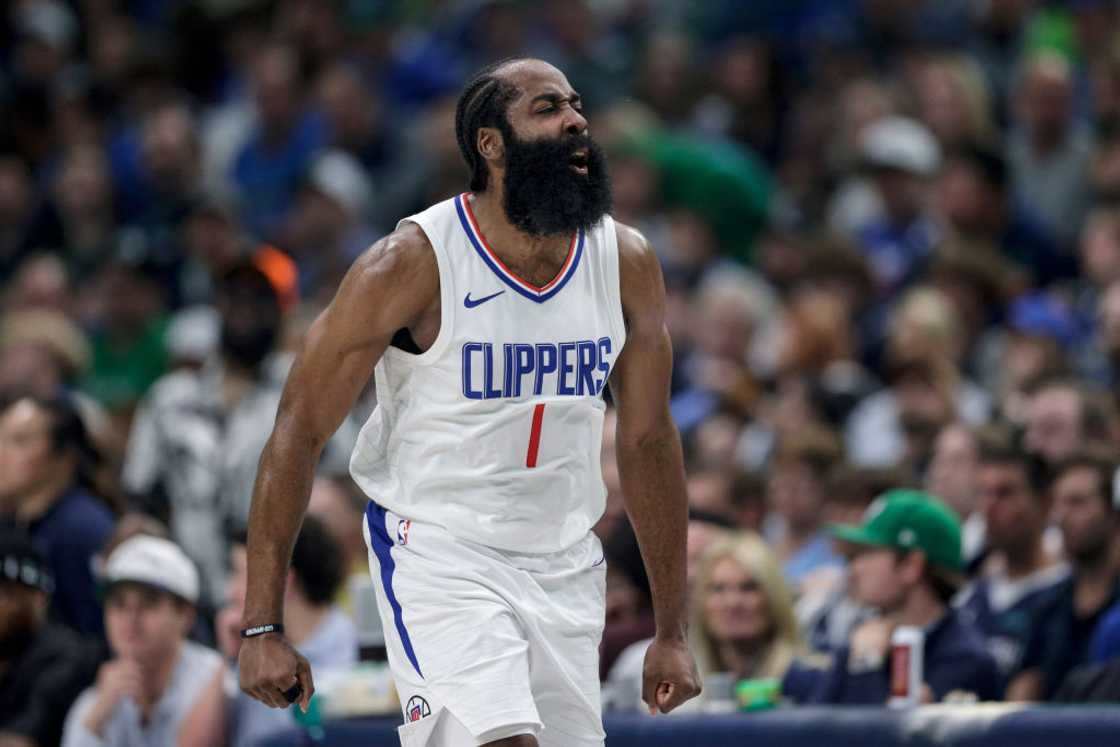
x: 544, y: 196
x: 247, y: 349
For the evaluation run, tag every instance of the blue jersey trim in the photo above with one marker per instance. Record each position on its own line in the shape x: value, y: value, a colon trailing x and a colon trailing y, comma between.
x: 379, y: 540
x: 538, y: 297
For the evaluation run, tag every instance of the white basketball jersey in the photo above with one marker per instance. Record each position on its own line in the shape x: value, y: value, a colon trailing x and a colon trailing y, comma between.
x: 495, y: 431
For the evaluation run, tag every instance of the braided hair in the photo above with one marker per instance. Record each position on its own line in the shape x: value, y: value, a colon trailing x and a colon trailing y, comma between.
x: 483, y: 103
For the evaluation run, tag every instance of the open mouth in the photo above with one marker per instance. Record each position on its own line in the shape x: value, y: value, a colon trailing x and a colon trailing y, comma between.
x: 578, y: 161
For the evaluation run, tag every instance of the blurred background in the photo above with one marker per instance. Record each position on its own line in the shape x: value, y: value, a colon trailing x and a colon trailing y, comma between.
x: 890, y: 235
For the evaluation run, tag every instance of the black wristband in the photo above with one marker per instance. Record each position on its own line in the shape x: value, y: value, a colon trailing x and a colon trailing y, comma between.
x: 257, y: 630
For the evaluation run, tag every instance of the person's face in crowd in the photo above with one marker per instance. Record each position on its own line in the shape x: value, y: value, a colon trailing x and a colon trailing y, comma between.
x: 1054, y: 427
x: 250, y: 316
x: 795, y: 493
x: 711, y: 492
x: 1108, y: 312
x: 30, y: 367
x: 922, y: 411
x: 28, y: 460
x: 716, y: 439
x: 317, y: 224
x: 1012, y: 511
x: 701, y: 536
x: 348, y: 105
x: 554, y: 176
x: 213, y: 240
x: 735, y: 607
x: 633, y: 187
x: 1100, y: 249
x: 144, y: 624
x: 903, y: 194
x: 1045, y: 100
x: 943, y: 103
x: 131, y: 298
x: 40, y: 282
x: 724, y: 325
x: 15, y: 193
x: 22, y: 612
x: 879, y: 578
x: 237, y: 582
x: 276, y: 88
x: 83, y: 188
x: 169, y: 148
x: 692, y: 244
x: 965, y: 199
x: 1082, y: 513
x: 331, y: 503
x: 624, y: 601
x: 1025, y: 358
x: 952, y: 471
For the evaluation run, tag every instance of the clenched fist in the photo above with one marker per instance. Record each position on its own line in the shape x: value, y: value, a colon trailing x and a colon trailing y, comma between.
x: 269, y: 667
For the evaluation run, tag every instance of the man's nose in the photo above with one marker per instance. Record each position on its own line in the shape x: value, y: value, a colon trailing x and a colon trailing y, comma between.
x: 574, y: 123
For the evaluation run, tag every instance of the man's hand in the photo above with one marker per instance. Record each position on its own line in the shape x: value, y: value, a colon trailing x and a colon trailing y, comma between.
x: 269, y: 666
x: 669, y: 676
x: 115, y: 680
x: 8, y: 739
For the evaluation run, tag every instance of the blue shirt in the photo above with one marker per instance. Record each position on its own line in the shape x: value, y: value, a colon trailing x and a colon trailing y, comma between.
x: 955, y: 658
x: 70, y: 534
x: 1106, y: 641
x: 1007, y: 611
x: 1061, y: 641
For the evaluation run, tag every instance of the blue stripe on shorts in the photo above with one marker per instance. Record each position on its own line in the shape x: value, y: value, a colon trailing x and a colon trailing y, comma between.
x: 379, y: 540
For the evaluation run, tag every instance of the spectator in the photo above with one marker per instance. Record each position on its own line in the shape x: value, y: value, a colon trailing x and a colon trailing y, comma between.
x: 1048, y: 154
x: 41, y: 350
x: 952, y: 477
x: 43, y: 665
x: 1082, y: 494
x: 270, y: 165
x: 795, y: 495
x: 313, y: 622
x: 1064, y: 417
x: 973, y: 194
x: 1017, y: 589
x: 47, y: 466
x: 741, y: 622
x: 906, y: 561
x: 159, y: 688
x: 197, y: 436
x: 902, y: 157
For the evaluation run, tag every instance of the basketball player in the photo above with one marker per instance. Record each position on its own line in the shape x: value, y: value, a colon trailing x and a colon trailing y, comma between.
x: 492, y: 322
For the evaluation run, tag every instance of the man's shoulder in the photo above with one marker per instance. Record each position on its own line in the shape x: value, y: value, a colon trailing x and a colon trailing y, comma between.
x: 400, y: 255
x: 79, y: 511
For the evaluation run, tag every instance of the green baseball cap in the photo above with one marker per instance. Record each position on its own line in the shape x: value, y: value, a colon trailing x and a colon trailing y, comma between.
x: 909, y: 520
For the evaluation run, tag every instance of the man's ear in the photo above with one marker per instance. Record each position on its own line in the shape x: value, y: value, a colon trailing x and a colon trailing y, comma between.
x: 914, y: 565
x: 490, y: 143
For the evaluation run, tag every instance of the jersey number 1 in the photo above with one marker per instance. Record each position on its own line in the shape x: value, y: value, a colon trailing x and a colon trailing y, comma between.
x: 535, y: 436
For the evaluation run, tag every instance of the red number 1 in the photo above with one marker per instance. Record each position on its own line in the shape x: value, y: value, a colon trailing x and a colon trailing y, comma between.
x: 535, y: 436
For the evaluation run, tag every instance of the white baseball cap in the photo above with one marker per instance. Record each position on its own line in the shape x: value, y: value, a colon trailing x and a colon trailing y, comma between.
x: 156, y: 562
x: 903, y: 144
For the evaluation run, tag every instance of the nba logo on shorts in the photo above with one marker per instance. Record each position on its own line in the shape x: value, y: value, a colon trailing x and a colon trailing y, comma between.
x: 417, y: 709
x: 402, y: 530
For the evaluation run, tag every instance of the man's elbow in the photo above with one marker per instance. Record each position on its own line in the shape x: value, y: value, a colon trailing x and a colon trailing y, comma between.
x: 656, y: 433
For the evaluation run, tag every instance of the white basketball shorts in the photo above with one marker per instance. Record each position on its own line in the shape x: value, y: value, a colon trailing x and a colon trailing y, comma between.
x: 485, y: 644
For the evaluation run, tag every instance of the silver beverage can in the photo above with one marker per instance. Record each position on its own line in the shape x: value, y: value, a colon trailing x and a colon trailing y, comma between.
x: 907, y: 646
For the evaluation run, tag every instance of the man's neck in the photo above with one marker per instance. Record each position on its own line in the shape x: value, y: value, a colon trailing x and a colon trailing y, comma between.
x: 921, y: 609
x: 302, y: 618
x: 740, y: 657
x: 1094, y: 582
x: 1022, y: 562
x: 511, y: 244
x: 155, y: 677
x: 33, y: 506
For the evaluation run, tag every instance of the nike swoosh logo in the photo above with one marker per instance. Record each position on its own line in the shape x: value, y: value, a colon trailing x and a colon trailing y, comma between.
x: 598, y: 562
x: 471, y: 303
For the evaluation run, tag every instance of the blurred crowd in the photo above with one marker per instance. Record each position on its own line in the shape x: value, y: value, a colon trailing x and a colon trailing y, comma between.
x: 890, y: 235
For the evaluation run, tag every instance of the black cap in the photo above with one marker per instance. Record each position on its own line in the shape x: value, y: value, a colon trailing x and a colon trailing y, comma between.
x: 21, y: 563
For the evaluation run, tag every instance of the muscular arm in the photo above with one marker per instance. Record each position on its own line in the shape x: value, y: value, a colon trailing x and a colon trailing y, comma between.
x: 389, y: 287
x: 650, y: 460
